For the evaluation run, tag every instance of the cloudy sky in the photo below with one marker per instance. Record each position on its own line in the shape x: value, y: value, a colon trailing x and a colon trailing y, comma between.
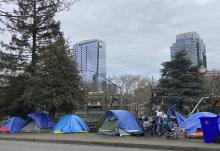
x: 138, y: 33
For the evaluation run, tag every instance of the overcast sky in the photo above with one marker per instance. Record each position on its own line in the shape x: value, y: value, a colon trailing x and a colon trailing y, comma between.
x: 138, y: 33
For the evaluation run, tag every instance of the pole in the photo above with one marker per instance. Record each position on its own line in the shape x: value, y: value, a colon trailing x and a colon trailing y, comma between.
x: 198, y: 104
x: 121, y: 101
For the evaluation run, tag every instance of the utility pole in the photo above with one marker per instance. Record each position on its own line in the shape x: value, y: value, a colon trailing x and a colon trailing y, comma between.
x: 121, y: 100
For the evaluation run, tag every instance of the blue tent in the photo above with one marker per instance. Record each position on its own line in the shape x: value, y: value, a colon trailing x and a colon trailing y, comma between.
x: 42, y: 120
x: 192, y: 122
x: 125, y: 123
x: 14, y: 124
x: 126, y: 120
x: 71, y: 124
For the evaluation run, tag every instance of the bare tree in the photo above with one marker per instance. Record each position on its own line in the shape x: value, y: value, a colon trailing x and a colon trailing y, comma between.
x: 137, y: 91
x: 111, y: 94
x: 215, y: 86
x: 212, y: 85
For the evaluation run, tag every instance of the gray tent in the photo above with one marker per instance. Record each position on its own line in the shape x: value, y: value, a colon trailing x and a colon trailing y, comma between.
x: 31, y: 127
x: 109, y: 127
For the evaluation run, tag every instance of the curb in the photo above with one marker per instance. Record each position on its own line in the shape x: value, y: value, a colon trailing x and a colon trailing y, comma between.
x: 125, y: 145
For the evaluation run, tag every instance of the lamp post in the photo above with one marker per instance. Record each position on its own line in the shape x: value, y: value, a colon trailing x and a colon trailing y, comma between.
x: 121, y: 103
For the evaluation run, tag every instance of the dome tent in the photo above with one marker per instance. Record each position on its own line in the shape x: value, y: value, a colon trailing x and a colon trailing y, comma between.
x: 71, y: 124
x: 14, y: 124
x: 121, y: 122
x: 38, y: 122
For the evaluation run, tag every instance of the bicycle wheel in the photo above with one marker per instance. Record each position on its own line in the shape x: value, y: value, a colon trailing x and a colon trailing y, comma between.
x: 182, y: 135
x: 168, y: 135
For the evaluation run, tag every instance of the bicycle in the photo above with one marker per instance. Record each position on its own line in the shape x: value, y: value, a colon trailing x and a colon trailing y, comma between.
x: 176, y: 133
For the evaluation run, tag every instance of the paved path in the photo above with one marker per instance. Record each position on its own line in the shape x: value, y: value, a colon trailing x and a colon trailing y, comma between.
x: 35, y: 146
x: 131, y: 142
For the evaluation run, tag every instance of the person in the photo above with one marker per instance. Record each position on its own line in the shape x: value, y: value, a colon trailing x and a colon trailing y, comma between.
x: 148, y: 126
x: 174, y: 123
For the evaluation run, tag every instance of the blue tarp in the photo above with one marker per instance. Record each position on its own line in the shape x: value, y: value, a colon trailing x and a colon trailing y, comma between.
x: 126, y: 120
x: 192, y: 122
x: 14, y: 124
x: 71, y: 124
x: 179, y: 118
x: 42, y: 120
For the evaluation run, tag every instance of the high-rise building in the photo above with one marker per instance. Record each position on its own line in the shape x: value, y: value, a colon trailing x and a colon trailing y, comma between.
x: 90, y: 57
x: 194, y: 47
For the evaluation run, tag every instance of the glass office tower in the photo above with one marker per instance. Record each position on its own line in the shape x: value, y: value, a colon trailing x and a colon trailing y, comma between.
x: 90, y: 57
x: 194, y: 46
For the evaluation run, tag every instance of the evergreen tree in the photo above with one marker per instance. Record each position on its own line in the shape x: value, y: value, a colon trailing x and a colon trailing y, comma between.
x: 56, y: 86
x: 33, y: 29
x: 180, y: 82
x: 8, y: 84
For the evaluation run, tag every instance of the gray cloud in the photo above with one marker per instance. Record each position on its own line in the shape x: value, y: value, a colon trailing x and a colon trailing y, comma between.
x: 138, y: 33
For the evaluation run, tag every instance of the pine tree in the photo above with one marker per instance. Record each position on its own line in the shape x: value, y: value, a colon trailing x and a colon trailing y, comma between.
x: 33, y: 29
x: 180, y: 82
x: 7, y: 82
x: 56, y: 86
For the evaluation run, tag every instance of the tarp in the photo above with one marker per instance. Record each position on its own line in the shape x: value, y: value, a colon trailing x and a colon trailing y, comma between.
x: 180, y: 118
x: 14, y: 124
x: 71, y: 124
x: 127, y: 121
x: 42, y: 120
x: 192, y: 122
